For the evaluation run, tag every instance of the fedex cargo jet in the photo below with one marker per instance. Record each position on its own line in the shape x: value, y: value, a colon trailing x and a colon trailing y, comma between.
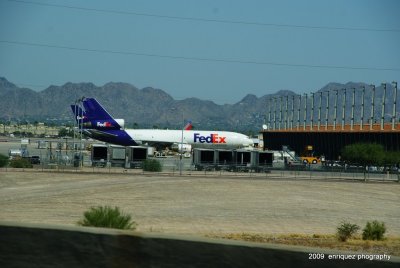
x: 97, y: 123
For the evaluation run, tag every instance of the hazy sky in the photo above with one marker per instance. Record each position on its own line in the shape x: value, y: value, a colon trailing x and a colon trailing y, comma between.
x: 218, y: 50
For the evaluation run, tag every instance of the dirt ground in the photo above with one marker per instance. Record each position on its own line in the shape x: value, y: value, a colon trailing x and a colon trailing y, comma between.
x: 200, y: 204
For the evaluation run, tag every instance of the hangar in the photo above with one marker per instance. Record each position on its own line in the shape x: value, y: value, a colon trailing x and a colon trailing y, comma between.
x: 330, y: 142
x: 358, y: 114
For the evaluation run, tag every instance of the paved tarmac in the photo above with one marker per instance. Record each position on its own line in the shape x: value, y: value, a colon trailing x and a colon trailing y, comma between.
x: 200, y: 204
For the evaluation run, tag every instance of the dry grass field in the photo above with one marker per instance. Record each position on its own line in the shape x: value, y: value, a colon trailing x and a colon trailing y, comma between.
x: 199, y: 204
x: 390, y: 245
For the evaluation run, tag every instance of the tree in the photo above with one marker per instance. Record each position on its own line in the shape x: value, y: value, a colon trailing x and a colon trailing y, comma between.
x: 365, y: 154
x: 65, y: 132
x: 392, y: 158
x: 3, y: 160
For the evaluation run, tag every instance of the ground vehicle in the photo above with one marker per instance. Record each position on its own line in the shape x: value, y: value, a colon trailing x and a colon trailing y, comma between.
x: 35, y: 159
x: 308, y: 156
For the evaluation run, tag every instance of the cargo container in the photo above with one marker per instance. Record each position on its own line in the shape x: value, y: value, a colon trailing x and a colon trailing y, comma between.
x: 136, y: 155
x: 99, y: 155
x: 223, y: 159
x: 203, y: 158
x: 117, y: 156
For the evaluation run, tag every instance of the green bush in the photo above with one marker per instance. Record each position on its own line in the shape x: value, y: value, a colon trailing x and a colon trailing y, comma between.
x: 374, y: 231
x: 107, y: 217
x: 152, y: 165
x: 346, y: 230
x: 3, y: 160
x: 20, y: 163
x: 364, y: 153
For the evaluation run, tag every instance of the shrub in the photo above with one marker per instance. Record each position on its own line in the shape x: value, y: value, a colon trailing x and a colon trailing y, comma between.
x: 346, y: 230
x: 152, y: 165
x: 107, y: 217
x: 374, y: 231
x: 3, y: 160
x: 20, y: 163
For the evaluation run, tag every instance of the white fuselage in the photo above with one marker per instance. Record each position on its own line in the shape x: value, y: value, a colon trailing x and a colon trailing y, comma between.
x: 196, y: 138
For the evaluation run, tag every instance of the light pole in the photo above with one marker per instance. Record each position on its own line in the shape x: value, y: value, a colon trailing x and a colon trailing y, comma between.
x: 79, y: 115
x: 66, y: 145
x: 181, y: 150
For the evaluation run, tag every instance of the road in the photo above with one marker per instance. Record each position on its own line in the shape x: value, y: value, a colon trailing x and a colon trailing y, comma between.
x: 200, y: 204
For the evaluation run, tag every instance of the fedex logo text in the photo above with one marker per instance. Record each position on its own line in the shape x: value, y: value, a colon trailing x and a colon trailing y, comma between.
x: 104, y: 124
x: 213, y: 138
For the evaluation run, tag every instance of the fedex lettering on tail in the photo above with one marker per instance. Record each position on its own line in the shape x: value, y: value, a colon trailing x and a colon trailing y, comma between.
x: 213, y: 138
x: 104, y: 124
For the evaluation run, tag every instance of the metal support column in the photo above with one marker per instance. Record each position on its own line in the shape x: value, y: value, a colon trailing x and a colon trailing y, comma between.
x: 371, y: 122
x: 275, y: 107
x: 383, y: 106
x: 305, y: 112
x: 312, y: 111
x: 292, y: 117
x: 362, y: 108
x: 344, y: 109
x: 287, y: 113
x: 394, y: 106
x: 335, y: 110
x: 281, y: 110
x: 353, y: 103
x: 298, y: 113
x: 327, y: 111
x: 269, y: 113
x: 319, y: 109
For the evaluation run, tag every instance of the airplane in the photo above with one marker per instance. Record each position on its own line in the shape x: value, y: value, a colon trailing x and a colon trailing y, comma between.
x: 98, y: 124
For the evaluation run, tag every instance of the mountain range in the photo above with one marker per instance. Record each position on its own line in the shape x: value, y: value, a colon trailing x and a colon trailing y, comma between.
x: 150, y: 107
